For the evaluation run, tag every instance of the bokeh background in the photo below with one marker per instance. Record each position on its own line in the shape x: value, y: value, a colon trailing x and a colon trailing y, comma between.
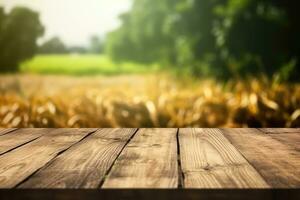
x: 149, y: 63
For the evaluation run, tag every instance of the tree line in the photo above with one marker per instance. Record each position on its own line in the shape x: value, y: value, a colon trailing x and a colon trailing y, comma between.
x: 55, y: 45
x: 20, y: 30
x: 220, y: 38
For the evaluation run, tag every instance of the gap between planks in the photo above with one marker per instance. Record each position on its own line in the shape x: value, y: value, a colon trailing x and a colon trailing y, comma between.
x: 4, y: 131
x: 85, y: 164
x: 195, y: 158
x: 277, y: 162
x: 209, y: 160
x: 21, y: 163
x: 17, y: 138
x: 148, y: 161
x: 180, y: 173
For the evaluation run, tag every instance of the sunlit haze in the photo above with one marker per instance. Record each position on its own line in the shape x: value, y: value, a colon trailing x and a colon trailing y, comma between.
x: 75, y: 21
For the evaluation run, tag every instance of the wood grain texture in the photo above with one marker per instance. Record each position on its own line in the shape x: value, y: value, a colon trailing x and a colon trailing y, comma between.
x: 148, y: 161
x: 4, y: 131
x: 124, y: 158
x: 19, y: 137
x: 289, y: 136
x: 17, y: 165
x: 290, y: 139
x: 208, y: 160
x: 278, y: 163
x: 280, y: 130
x: 85, y: 164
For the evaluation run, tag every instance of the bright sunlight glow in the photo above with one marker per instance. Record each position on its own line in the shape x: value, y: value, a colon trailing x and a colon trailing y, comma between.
x: 75, y: 21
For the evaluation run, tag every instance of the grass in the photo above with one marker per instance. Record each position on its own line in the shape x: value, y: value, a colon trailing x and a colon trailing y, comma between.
x: 81, y: 65
x: 145, y: 101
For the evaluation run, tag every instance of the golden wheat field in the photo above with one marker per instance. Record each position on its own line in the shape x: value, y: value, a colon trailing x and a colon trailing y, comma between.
x: 145, y: 101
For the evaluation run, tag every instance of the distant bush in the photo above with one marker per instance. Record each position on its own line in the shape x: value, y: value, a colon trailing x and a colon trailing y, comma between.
x: 53, y: 46
x: 19, y: 31
x: 56, y: 46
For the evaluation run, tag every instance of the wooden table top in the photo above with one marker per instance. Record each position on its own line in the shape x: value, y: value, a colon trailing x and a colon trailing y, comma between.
x: 149, y: 158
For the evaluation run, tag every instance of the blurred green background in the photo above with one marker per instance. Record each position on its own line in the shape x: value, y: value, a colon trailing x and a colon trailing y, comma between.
x: 215, y: 38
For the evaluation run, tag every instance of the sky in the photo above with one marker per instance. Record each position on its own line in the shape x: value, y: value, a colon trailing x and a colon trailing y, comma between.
x: 75, y: 21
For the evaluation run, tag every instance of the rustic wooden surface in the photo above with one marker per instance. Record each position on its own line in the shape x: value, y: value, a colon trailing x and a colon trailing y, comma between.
x: 148, y: 161
x: 209, y: 161
x: 4, y: 131
x: 149, y: 158
x: 276, y: 161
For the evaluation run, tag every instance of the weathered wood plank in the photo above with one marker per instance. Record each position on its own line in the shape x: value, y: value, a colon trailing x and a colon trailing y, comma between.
x: 17, y: 165
x: 208, y: 160
x: 278, y: 163
x: 148, y: 161
x: 289, y: 136
x: 85, y: 164
x: 280, y: 130
x: 290, y: 139
x: 4, y: 131
x: 19, y: 137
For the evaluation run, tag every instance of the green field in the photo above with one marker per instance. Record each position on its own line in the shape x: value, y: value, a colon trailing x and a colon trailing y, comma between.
x: 81, y: 65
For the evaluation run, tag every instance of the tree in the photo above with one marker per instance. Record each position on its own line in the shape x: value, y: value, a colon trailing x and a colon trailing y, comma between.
x: 143, y: 32
x: 19, y: 31
x: 53, y: 46
x: 221, y: 38
x: 2, y: 15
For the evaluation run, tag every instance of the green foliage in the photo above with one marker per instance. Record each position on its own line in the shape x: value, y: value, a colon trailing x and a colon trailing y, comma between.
x: 56, y: 46
x: 142, y: 37
x: 19, y: 31
x: 222, y: 38
x: 252, y: 35
x: 53, y: 46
